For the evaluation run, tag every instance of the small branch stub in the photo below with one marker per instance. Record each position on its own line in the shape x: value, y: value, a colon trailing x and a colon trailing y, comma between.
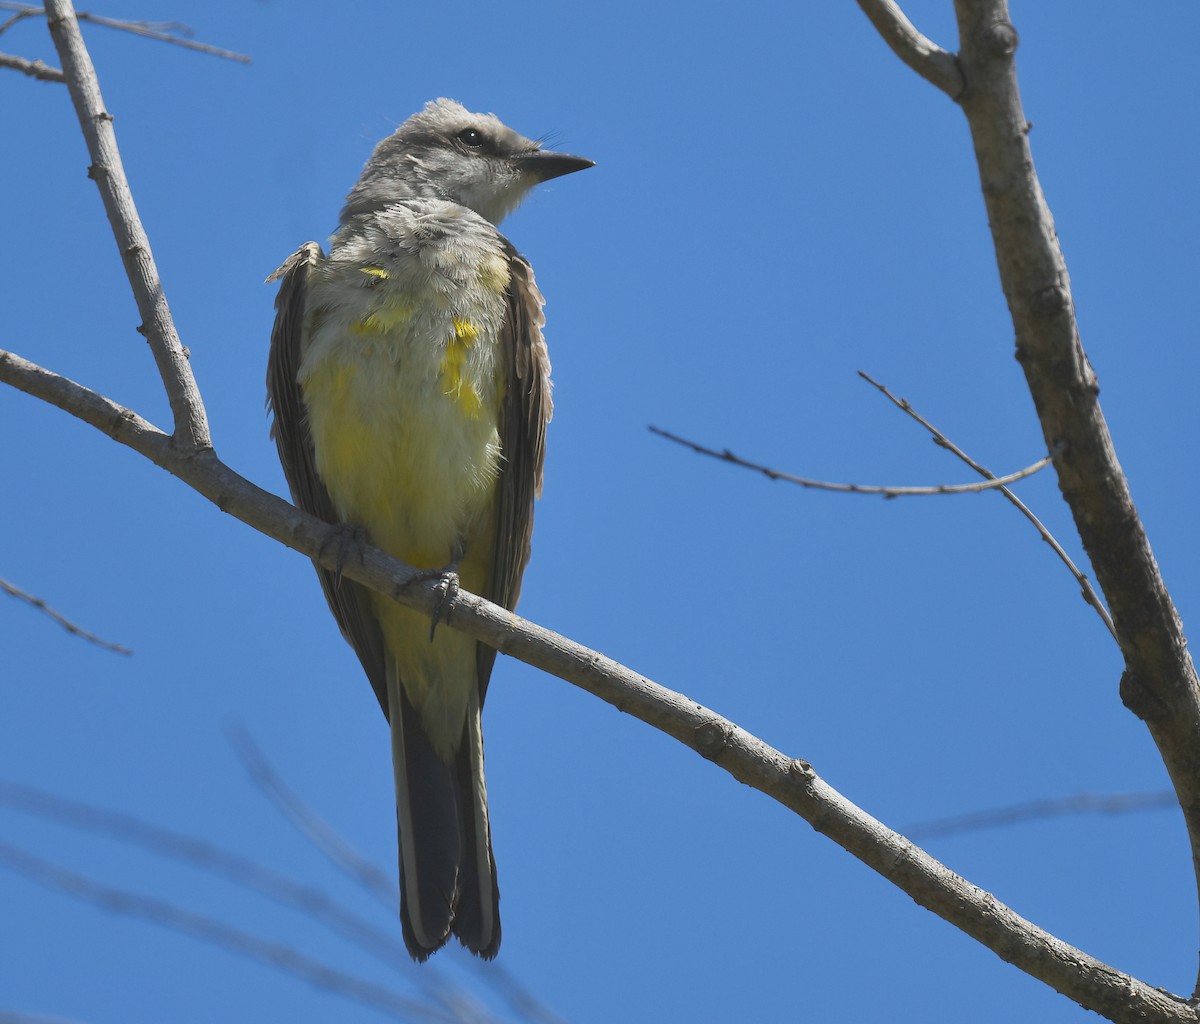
x: 710, y: 740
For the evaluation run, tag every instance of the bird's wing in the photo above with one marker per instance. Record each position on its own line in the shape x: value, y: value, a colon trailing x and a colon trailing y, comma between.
x: 526, y: 411
x: 350, y: 603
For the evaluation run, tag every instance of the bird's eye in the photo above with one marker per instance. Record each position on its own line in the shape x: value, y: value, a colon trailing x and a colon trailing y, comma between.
x: 471, y: 138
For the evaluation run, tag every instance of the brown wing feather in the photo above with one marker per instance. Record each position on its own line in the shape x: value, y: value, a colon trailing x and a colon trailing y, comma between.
x: 350, y: 603
x: 527, y: 409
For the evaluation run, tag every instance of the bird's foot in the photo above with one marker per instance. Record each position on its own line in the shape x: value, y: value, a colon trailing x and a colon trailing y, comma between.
x: 351, y: 539
x: 447, y: 590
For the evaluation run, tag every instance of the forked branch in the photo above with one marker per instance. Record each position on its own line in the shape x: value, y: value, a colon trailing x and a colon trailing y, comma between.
x: 1085, y: 585
x: 884, y: 490
x: 191, y: 423
x: 1159, y: 683
x: 793, y: 783
x: 923, y: 55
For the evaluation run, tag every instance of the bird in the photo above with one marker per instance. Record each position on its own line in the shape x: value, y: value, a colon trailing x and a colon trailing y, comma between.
x: 409, y: 385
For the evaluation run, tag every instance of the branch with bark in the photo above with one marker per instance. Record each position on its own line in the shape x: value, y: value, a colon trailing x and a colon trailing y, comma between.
x: 75, y: 630
x: 882, y: 490
x: 1160, y: 682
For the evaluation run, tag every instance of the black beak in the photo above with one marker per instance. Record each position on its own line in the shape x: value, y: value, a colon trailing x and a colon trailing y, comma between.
x: 544, y: 165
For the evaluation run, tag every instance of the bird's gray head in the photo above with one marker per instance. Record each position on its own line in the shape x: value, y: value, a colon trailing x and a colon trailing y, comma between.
x: 446, y: 152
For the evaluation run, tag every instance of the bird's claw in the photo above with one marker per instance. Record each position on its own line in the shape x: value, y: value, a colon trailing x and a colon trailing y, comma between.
x: 447, y: 592
x: 349, y: 537
x: 447, y: 588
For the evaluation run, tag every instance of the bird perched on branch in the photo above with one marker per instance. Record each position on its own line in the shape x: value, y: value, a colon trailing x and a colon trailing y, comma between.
x: 410, y: 387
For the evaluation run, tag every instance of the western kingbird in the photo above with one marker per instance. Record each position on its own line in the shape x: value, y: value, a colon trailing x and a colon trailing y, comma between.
x: 410, y: 386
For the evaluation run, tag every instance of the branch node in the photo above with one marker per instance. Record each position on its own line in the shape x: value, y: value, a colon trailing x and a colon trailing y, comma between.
x: 1140, y: 700
x: 710, y: 740
x: 1050, y: 301
x: 1000, y: 38
x: 36, y: 69
x: 801, y: 769
x: 924, y: 56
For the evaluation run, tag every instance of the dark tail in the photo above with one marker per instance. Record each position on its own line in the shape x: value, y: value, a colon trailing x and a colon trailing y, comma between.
x: 447, y: 872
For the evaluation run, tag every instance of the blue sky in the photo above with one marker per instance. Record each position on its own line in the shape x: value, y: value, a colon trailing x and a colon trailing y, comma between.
x: 777, y: 203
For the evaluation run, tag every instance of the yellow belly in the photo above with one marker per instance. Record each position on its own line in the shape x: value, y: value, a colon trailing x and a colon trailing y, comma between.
x: 411, y: 455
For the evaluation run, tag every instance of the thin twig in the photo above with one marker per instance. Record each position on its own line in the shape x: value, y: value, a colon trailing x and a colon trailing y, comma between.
x: 318, y: 832
x: 726, y: 455
x: 1159, y: 683
x: 23, y: 11
x: 794, y: 783
x: 311, y: 826
x: 924, y: 56
x: 207, y: 929
x: 208, y: 857
x: 40, y: 70
x: 243, y: 871
x: 360, y: 870
x: 1034, y: 810
x: 191, y: 422
x: 15, y: 1017
x: 163, y: 31
x: 940, y: 439
x: 61, y: 619
x: 791, y: 782
x: 519, y: 997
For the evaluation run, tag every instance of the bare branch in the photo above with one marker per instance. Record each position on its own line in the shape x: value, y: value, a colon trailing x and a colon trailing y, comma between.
x: 317, y: 831
x: 40, y: 70
x: 1036, y: 810
x: 206, y: 856
x: 23, y: 11
x: 243, y: 871
x: 725, y: 455
x: 207, y: 929
x: 793, y: 783
x: 188, y: 455
x: 1085, y: 585
x: 191, y: 423
x: 924, y: 56
x: 1159, y: 683
x: 361, y: 871
x: 61, y: 619
x: 14, y: 1017
x: 163, y: 31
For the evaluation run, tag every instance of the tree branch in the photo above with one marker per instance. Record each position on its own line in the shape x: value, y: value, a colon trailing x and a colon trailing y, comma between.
x: 1149, y: 644
x: 40, y: 70
x: 191, y: 423
x: 793, y: 783
x: 333, y: 847
x: 725, y: 455
x: 354, y: 866
x: 164, y: 32
x: 1159, y: 684
x: 942, y: 441
x: 62, y: 620
x: 924, y: 56
x: 207, y: 929
x: 456, y: 1004
x: 1037, y: 810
